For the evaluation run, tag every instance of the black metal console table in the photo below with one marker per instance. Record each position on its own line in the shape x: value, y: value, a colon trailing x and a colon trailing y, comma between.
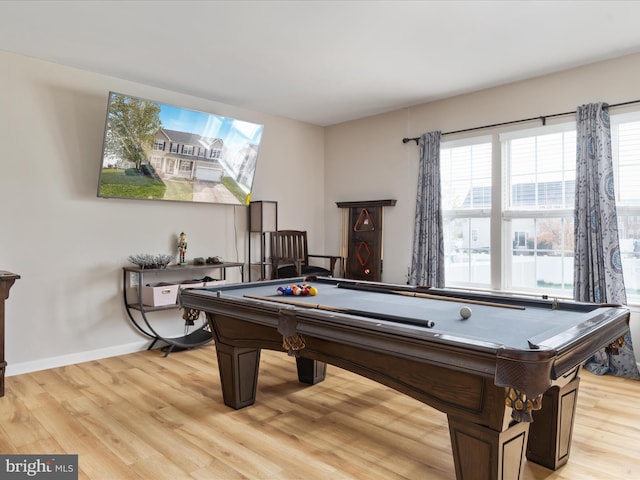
x: 135, y: 308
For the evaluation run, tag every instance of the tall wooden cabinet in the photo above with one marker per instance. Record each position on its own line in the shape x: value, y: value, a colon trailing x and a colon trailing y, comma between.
x: 364, y: 238
x: 6, y: 282
x: 263, y: 218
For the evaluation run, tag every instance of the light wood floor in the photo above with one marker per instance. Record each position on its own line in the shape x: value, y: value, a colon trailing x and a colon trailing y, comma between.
x: 143, y: 416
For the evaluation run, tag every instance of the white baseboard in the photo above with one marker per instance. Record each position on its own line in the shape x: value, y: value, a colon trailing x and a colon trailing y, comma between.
x: 64, y: 360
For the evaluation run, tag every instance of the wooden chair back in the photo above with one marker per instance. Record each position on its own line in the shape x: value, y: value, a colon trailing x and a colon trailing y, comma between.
x: 289, y: 247
x: 290, y: 256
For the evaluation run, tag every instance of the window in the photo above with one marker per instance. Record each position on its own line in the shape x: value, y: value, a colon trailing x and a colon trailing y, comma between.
x: 533, y: 175
x: 216, y: 149
x: 187, y: 149
x: 466, y: 204
x: 625, y: 146
x: 185, y: 166
x: 174, y: 148
x: 539, y: 197
x: 158, y: 145
x: 156, y: 162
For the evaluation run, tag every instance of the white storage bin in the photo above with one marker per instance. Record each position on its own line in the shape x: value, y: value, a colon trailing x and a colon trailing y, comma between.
x: 159, y: 294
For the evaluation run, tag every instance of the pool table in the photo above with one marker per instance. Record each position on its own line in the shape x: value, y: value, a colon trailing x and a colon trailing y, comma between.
x: 506, y: 376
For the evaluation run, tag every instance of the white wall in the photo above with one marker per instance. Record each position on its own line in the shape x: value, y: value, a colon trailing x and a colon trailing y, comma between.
x: 366, y: 159
x: 70, y: 246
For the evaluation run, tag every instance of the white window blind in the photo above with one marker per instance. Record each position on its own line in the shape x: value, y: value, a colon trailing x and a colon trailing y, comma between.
x: 466, y: 197
x: 539, y: 197
x: 625, y: 145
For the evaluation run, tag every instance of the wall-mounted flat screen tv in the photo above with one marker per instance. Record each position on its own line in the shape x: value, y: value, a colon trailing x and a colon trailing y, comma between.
x: 154, y: 151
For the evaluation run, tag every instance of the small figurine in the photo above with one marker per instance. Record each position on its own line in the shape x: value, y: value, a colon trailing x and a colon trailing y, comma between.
x: 182, y: 247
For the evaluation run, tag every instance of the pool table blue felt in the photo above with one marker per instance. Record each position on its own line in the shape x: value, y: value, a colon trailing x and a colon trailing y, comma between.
x: 536, y: 326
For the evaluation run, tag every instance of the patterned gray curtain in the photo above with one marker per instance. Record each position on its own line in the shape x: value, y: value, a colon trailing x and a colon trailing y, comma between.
x: 427, y: 261
x: 598, y: 266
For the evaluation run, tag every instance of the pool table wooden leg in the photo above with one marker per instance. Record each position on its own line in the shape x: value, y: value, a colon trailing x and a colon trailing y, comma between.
x: 552, y: 427
x: 310, y: 371
x: 238, y: 374
x: 480, y: 453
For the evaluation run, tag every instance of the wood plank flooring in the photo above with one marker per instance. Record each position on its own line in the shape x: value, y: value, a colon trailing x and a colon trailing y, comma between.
x: 144, y: 416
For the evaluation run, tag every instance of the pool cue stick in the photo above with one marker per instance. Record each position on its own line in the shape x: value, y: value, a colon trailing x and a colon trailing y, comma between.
x: 347, y: 311
x: 431, y: 296
x: 293, y: 302
x: 458, y: 299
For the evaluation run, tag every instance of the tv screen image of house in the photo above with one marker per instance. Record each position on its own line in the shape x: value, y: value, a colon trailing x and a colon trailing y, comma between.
x: 154, y: 151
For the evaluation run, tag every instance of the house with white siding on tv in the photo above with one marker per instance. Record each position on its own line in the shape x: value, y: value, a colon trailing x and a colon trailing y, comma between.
x: 194, y: 157
x: 187, y: 155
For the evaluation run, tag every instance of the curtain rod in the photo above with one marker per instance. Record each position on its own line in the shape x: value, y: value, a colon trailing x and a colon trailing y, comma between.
x: 542, y: 118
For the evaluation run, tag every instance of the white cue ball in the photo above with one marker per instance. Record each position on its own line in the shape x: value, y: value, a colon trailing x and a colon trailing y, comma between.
x: 465, y: 312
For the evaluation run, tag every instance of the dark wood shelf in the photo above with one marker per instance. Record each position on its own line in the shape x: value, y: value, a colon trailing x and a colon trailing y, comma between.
x: 369, y: 203
x: 263, y: 218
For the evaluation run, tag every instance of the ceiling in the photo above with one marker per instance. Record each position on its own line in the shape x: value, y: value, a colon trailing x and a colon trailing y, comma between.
x: 322, y: 62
